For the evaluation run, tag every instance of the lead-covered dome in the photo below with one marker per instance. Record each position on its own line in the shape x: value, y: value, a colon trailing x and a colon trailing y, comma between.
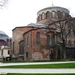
x: 53, y: 8
x: 3, y: 36
x: 47, y: 15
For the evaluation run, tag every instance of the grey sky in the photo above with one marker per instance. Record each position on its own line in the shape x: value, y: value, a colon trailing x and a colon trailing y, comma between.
x: 22, y: 12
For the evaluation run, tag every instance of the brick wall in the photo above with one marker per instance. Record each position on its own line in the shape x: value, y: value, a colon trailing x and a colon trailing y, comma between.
x: 17, y: 36
x: 36, y: 51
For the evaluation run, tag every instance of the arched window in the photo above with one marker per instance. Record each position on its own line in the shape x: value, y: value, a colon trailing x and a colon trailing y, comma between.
x: 43, y: 15
x: 48, y: 40
x: 47, y: 14
x: 59, y: 14
x: 69, y: 43
x: 63, y: 14
x: 52, y: 41
x: 21, y: 47
x: 53, y: 14
x: 38, y: 37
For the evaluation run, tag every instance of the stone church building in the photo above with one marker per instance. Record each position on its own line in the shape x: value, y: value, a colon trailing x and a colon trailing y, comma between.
x: 52, y: 37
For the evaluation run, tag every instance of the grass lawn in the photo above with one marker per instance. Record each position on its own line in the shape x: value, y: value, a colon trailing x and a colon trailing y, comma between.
x: 36, y: 74
x: 64, y: 65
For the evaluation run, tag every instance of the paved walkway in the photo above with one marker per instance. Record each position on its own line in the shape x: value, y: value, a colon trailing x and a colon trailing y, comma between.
x: 47, y: 71
x: 5, y: 70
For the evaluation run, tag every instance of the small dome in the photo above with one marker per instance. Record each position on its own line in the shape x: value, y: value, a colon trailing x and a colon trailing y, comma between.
x: 1, y: 32
x: 3, y: 36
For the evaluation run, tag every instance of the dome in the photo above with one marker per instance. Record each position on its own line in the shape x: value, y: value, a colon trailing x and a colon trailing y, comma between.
x: 3, y: 36
x: 1, y: 32
x: 53, y: 8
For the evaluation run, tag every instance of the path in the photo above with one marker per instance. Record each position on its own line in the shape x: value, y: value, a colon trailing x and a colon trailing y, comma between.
x: 48, y: 71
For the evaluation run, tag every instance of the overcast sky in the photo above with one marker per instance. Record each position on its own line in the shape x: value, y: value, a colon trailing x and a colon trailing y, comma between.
x: 22, y: 12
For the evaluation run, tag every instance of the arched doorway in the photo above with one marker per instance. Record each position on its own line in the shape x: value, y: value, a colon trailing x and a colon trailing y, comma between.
x: 21, y: 47
x: 21, y: 50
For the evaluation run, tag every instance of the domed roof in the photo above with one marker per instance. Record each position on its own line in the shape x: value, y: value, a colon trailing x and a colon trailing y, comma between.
x: 1, y: 32
x: 3, y: 36
x: 53, y: 8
